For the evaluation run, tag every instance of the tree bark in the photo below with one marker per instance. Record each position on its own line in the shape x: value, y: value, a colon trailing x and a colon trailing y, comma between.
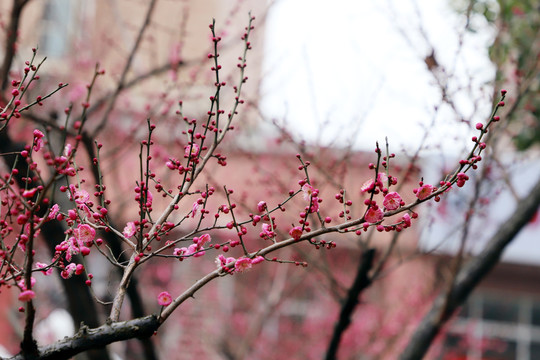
x: 11, y: 40
x: 361, y: 282
x: 87, y: 339
x: 469, y: 276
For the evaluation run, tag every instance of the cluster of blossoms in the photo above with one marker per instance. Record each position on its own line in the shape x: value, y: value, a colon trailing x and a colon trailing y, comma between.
x: 241, y: 264
x: 392, y: 200
x: 268, y: 230
x: 312, y: 195
x: 80, y: 241
x: 79, y: 236
x: 196, y: 249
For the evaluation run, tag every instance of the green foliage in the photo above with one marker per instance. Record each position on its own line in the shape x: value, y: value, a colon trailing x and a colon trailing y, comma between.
x: 516, y: 53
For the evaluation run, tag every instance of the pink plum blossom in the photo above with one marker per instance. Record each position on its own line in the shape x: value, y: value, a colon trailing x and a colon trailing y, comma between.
x: 406, y: 220
x: 81, y: 197
x: 195, y: 250
x: 222, y: 261
x: 68, y: 149
x: 296, y: 232
x: 257, y: 260
x: 204, y: 239
x: 392, y: 201
x: 267, y: 231
x: 38, y: 140
x: 382, y: 179
x: 242, y: 264
x: 424, y: 191
x: 22, y: 283
x: 129, y: 229
x: 85, y: 234
x: 367, y: 186
x: 171, y: 164
x: 27, y: 295
x: 180, y: 251
x: 196, y: 206
x: 72, y: 214
x: 29, y: 193
x: 309, y: 191
x: 261, y: 206
x: 43, y: 266
x: 374, y: 215
x: 191, y: 151
x: 164, y: 298
x: 54, y: 210
x: 68, y: 271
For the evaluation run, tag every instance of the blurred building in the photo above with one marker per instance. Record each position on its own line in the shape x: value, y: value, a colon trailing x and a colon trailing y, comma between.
x: 501, y: 319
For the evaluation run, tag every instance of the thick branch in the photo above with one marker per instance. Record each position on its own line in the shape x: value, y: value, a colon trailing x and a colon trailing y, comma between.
x: 11, y: 40
x: 361, y: 282
x: 87, y: 339
x: 470, y: 275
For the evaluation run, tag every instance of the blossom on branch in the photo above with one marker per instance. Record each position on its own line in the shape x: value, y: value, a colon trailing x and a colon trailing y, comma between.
x: 242, y: 264
x: 296, y: 232
x: 85, y: 234
x: 81, y: 197
x: 26, y: 295
x: 424, y: 191
x: 374, y: 214
x: 129, y: 229
x: 261, y: 206
x: 38, y: 140
x: 392, y: 201
x: 164, y: 298
x: 309, y: 191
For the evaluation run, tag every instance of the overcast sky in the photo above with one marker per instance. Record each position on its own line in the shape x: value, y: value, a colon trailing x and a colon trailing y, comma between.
x: 346, y: 66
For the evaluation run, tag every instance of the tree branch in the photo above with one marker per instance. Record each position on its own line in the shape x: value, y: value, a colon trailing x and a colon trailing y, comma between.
x: 361, y: 282
x: 87, y: 339
x: 11, y: 40
x: 470, y: 275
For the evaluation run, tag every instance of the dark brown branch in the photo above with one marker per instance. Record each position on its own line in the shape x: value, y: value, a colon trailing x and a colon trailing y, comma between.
x: 87, y: 339
x: 29, y: 345
x: 361, y: 282
x: 11, y: 40
x: 470, y: 275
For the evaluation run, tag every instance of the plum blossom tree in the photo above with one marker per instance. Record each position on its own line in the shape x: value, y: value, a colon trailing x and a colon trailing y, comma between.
x: 58, y: 212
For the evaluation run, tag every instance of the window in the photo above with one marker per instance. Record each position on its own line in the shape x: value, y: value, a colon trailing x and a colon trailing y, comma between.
x: 495, y: 326
x: 55, y: 27
x: 63, y: 22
